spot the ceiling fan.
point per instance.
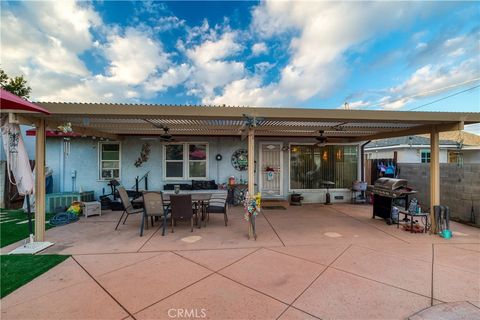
(321, 139)
(166, 136)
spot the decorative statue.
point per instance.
(144, 154)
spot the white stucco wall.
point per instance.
(404, 155)
(84, 159)
(471, 156)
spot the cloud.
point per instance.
(43, 41)
(54, 36)
(259, 48)
(322, 33)
(445, 45)
(172, 77)
(168, 23)
(134, 57)
(430, 80)
(211, 69)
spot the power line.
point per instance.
(422, 93)
(443, 98)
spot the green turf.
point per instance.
(17, 270)
(11, 232)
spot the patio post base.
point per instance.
(32, 247)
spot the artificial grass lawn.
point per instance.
(11, 232)
(16, 270)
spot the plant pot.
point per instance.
(296, 199)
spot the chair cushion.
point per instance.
(183, 186)
(216, 209)
(204, 185)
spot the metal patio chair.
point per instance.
(127, 205)
(181, 208)
(153, 206)
(218, 204)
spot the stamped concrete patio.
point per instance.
(308, 262)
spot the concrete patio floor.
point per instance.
(308, 262)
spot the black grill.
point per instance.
(386, 193)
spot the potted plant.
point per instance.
(296, 199)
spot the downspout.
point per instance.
(362, 160)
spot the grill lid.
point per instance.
(390, 184)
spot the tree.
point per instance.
(17, 85)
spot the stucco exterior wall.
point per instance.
(471, 156)
(84, 159)
(405, 155)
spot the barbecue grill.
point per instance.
(386, 191)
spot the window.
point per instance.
(186, 161)
(425, 156)
(197, 161)
(455, 157)
(109, 160)
(174, 161)
(311, 165)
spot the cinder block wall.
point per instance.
(459, 186)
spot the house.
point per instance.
(275, 151)
(282, 165)
(455, 147)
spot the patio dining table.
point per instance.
(199, 199)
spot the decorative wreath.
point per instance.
(240, 159)
(144, 155)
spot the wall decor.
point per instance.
(240, 159)
(144, 155)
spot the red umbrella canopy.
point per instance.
(12, 102)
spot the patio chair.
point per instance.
(218, 204)
(181, 208)
(153, 206)
(127, 205)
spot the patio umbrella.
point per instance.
(13, 103)
(18, 163)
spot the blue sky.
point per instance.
(373, 55)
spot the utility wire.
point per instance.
(422, 93)
(443, 98)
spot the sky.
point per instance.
(422, 56)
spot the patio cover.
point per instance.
(115, 120)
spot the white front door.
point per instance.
(271, 166)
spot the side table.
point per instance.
(92, 208)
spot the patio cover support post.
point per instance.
(40, 182)
(434, 175)
(251, 162)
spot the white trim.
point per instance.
(99, 160)
(321, 189)
(185, 161)
(260, 175)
